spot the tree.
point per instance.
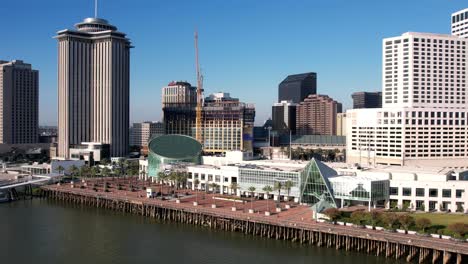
(60, 170)
(390, 219)
(333, 214)
(278, 186)
(105, 172)
(161, 177)
(214, 187)
(288, 185)
(267, 189)
(196, 182)
(94, 171)
(460, 229)
(118, 172)
(251, 190)
(423, 223)
(73, 170)
(406, 221)
(234, 187)
(375, 216)
(359, 217)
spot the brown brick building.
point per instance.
(316, 115)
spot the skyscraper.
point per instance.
(19, 103)
(283, 115)
(297, 87)
(141, 133)
(367, 100)
(93, 86)
(316, 115)
(179, 100)
(459, 23)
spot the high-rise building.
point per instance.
(316, 115)
(283, 115)
(179, 100)
(423, 121)
(19, 103)
(93, 86)
(227, 124)
(367, 100)
(141, 133)
(297, 87)
(460, 23)
(341, 124)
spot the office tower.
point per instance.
(297, 87)
(341, 124)
(93, 86)
(460, 23)
(284, 117)
(316, 115)
(367, 100)
(423, 119)
(19, 106)
(141, 133)
(227, 124)
(179, 100)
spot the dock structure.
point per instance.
(293, 222)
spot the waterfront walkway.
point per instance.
(298, 216)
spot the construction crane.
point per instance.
(198, 117)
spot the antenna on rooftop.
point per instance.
(95, 8)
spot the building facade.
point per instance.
(179, 100)
(141, 133)
(297, 87)
(227, 124)
(341, 124)
(19, 103)
(316, 115)
(93, 86)
(367, 100)
(459, 23)
(283, 115)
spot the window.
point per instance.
(393, 190)
(458, 193)
(433, 192)
(419, 191)
(202, 176)
(210, 177)
(406, 191)
(447, 193)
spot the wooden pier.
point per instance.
(412, 248)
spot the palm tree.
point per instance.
(94, 171)
(214, 186)
(84, 171)
(234, 187)
(105, 172)
(161, 177)
(183, 179)
(278, 186)
(60, 170)
(288, 185)
(251, 190)
(267, 189)
(196, 182)
(73, 170)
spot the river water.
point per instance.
(41, 231)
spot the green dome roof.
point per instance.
(175, 146)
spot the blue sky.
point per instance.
(246, 46)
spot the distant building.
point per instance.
(284, 117)
(316, 115)
(341, 124)
(179, 100)
(367, 100)
(93, 86)
(141, 133)
(459, 23)
(227, 124)
(297, 87)
(19, 103)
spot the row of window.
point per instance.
(421, 192)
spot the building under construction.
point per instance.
(179, 101)
(227, 124)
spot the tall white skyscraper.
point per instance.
(93, 86)
(424, 117)
(460, 23)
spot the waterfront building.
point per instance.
(171, 152)
(297, 87)
(179, 100)
(283, 115)
(367, 100)
(93, 86)
(341, 124)
(141, 133)
(19, 103)
(316, 115)
(423, 120)
(227, 124)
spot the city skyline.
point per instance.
(253, 40)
